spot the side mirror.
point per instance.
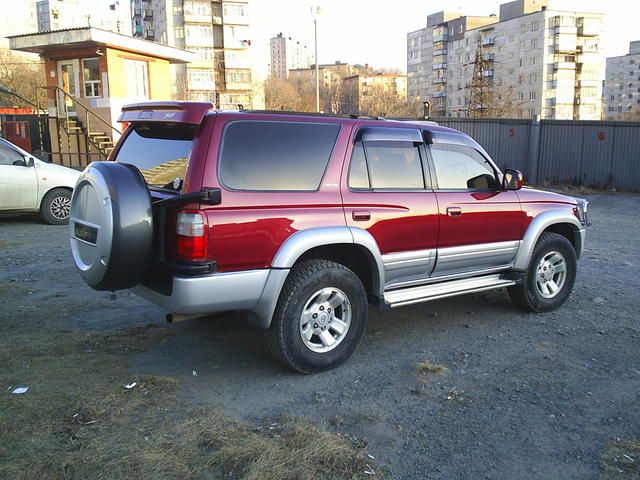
(512, 180)
(30, 162)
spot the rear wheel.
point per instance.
(320, 317)
(55, 206)
(550, 277)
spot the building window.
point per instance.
(533, 60)
(238, 76)
(235, 10)
(179, 32)
(534, 26)
(137, 84)
(533, 78)
(520, 96)
(523, 28)
(91, 77)
(532, 95)
(534, 43)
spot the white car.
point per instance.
(28, 185)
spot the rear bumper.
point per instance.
(256, 291)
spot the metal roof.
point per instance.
(72, 38)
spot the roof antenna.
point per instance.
(240, 107)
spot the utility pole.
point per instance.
(315, 13)
(479, 88)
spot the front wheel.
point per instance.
(550, 277)
(55, 207)
(320, 317)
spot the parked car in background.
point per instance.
(29, 185)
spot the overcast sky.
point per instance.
(375, 32)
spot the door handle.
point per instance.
(454, 211)
(361, 215)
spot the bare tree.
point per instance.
(23, 77)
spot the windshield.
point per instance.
(160, 151)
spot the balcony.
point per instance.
(440, 94)
(148, 14)
(439, 66)
(488, 41)
(439, 38)
(150, 34)
(488, 73)
(442, 51)
(439, 80)
(490, 57)
(564, 66)
(137, 12)
(137, 30)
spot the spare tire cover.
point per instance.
(111, 226)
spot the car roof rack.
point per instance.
(338, 115)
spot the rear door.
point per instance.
(480, 224)
(387, 192)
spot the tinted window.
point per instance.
(160, 151)
(394, 165)
(358, 173)
(8, 156)
(460, 167)
(276, 155)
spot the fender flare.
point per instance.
(297, 245)
(538, 225)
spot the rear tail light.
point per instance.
(191, 230)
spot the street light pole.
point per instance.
(315, 12)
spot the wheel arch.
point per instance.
(562, 222)
(353, 247)
(57, 187)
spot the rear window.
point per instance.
(276, 156)
(159, 150)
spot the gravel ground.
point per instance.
(525, 395)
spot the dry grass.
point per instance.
(621, 461)
(430, 367)
(78, 421)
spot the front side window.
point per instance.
(9, 156)
(459, 167)
(91, 77)
(386, 165)
(275, 156)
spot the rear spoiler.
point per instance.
(181, 112)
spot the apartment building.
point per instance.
(286, 54)
(15, 21)
(142, 19)
(373, 93)
(529, 61)
(219, 33)
(622, 85)
(113, 15)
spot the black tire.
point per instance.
(55, 206)
(284, 338)
(526, 295)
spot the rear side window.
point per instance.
(275, 156)
(159, 150)
(386, 165)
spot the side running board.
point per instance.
(425, 293)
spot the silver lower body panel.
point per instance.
(211, 293)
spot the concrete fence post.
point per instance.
(533, 159)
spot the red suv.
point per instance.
(304, 220)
